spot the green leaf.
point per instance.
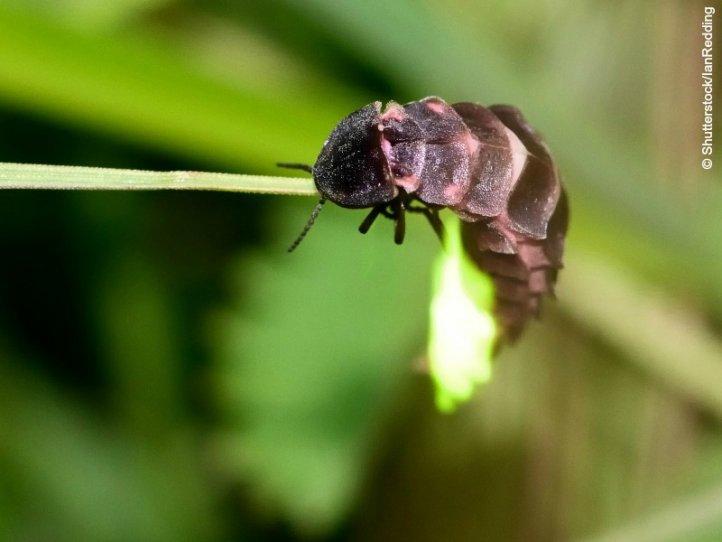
(312, 352)
(73, 480)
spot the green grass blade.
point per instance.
(37, 176)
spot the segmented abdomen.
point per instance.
(522, 268)
(492, 169)
(521, 247)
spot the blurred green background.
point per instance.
(167, 372)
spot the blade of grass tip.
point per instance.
(50, 177)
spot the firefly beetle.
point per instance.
(487, 165)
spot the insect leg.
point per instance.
(432, 215)
(436, 223)
(400, 212)
(369, 220)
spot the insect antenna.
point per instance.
(294, 165)
(311, 220)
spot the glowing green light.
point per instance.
(462, 329)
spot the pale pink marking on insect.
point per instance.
(410, 183)
(436, 107)
(518, 155)
(386, 148)
(533, 255)
(471, 142)
(454, 192)
(393, 112)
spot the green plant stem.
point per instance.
(47, 177)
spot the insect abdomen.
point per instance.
(523, 269)
(520, 246)
(492, 169)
